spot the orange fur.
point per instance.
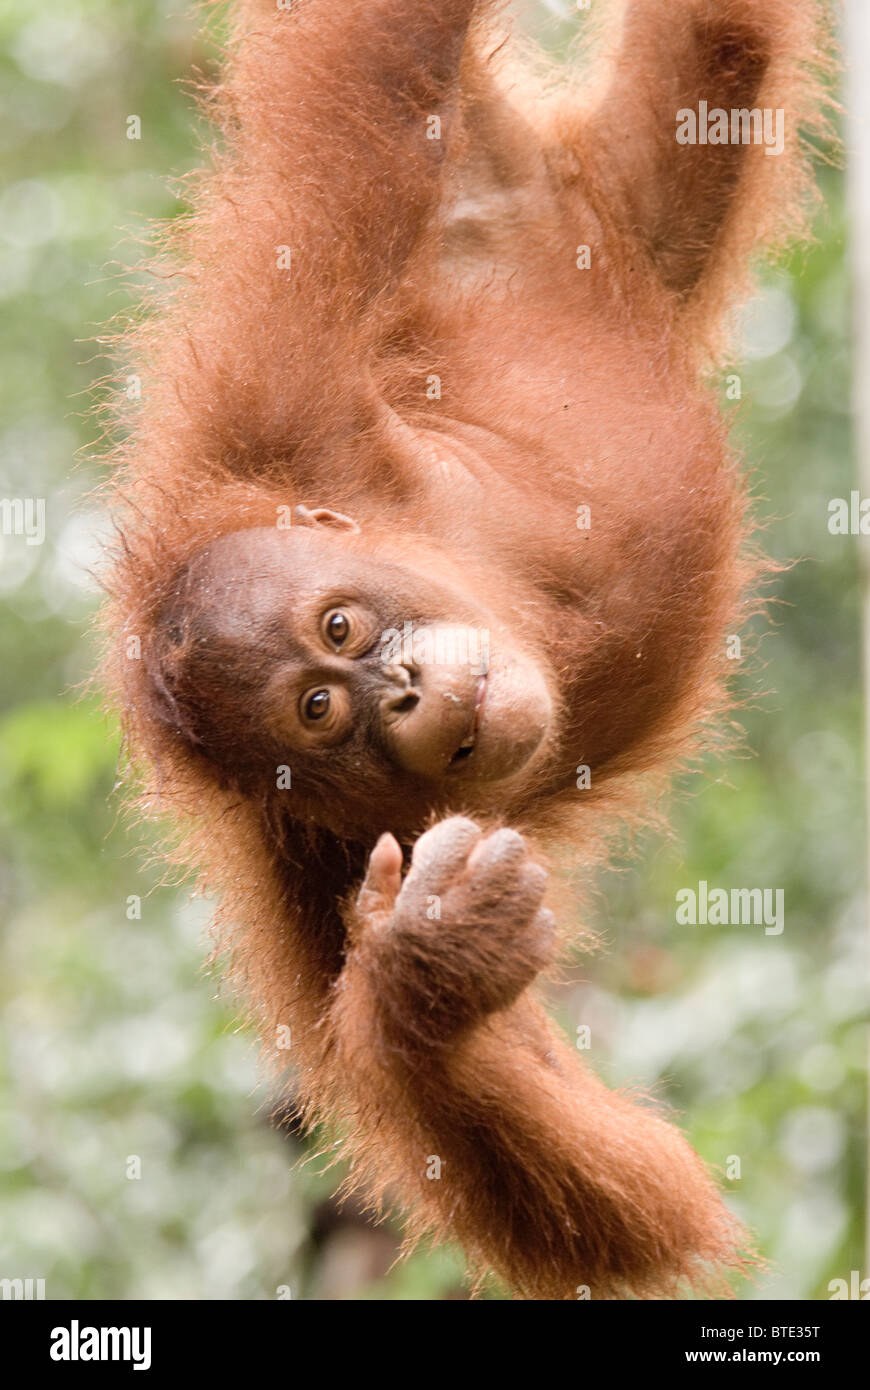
(560, 387)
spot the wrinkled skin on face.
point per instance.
(288, 649)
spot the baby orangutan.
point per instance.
(428, 505)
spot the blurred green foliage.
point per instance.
(113, 1045)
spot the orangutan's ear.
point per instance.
(322, 516)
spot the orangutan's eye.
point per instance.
(316, 705)
(337, 628)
